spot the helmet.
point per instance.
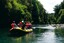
(22, 21)
(14, 21)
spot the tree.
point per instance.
(17, 10)
(59, 12)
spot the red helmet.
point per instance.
(20, 22)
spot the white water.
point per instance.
(46, 27)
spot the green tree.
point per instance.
(30, 10)
(59, 12)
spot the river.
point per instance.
(37, 36)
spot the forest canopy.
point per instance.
(18, 10)
(28, 10)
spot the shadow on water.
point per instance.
(11, 35)
(16, 33)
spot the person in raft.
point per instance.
(20, 24)
(28, 25)
(13, 25)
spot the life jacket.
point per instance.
(28, 24)
(20, 24)
(13, 25)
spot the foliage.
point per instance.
(59, 13)
(51, 18)
(28, 10)
(17, 10)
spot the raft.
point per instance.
(19, 31)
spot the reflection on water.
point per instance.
(24, 39)
(59, 32)
(60, 35)
(37, 36)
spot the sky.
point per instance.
(50, 4)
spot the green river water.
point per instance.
(37, 36)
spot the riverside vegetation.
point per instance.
(28, 10)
